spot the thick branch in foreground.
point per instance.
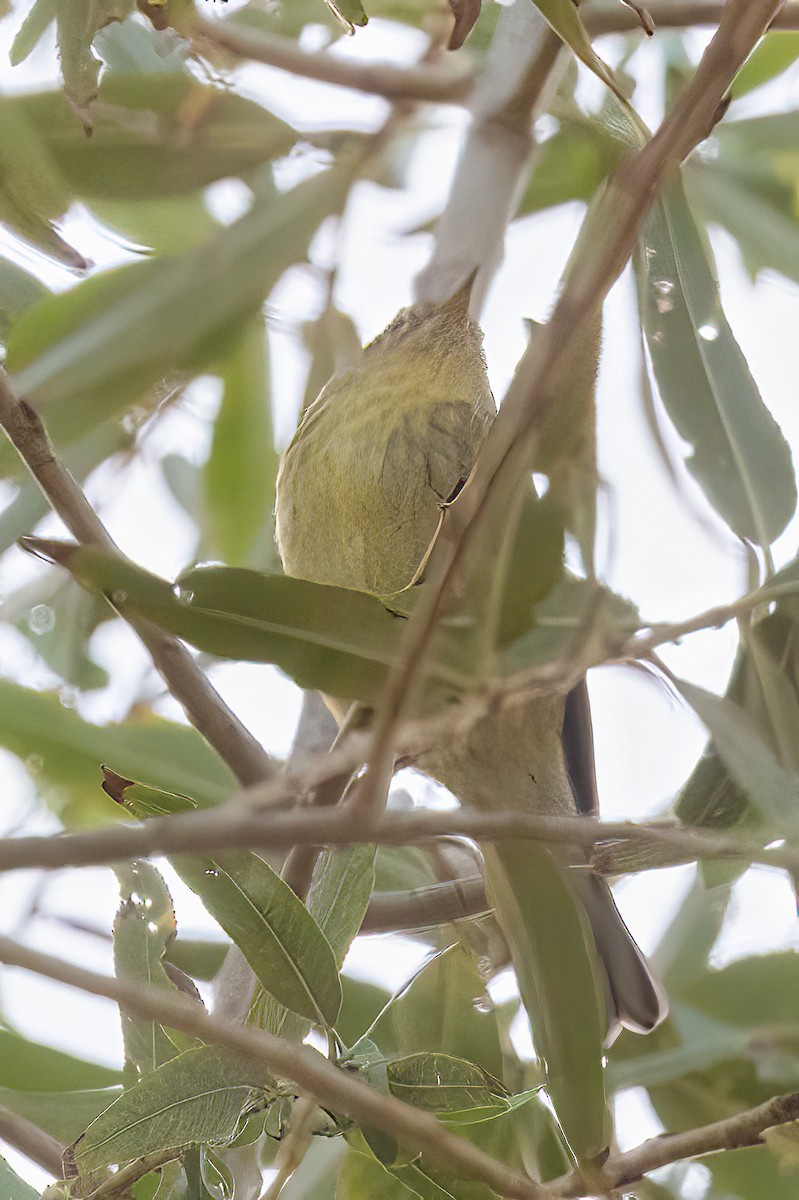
(316, 1077)
(233, 826)
(202, 704)
(31, 1141)
(614, 17)
(440, 85)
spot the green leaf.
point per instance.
(760, 217)
(272, 927)
(31, 1066)
(77, 21)
(739, 456)
(154, 136)
(32, 190)
(58, 617)
(63, 753)
(570, 165)
(334, 639)
(194, 1098)
(451, 1087)
(18, 291)
(439, 1011)
(339, 893)
(349, 12)
(755, 992)
(12, 1187)
(688, 1042)
(553, 953)
(110, 339)
(33, 28)
(563, 16)
(64, 1115)
(242, 467)
(145, 926)
(777, 51)
(750, 762)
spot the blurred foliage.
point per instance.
(145, 126)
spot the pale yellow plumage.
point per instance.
(359, 497)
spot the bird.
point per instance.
(360, 490)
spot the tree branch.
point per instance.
(436, 85)
(744, 1129)
(316, 1077)
(31, 1141)
(231, 827)
(202, 704)
(670, 14)
(513, 88)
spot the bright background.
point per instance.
(663, 548)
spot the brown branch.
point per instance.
(670, 14)
(744, 1129)
(438, 904)
(31, 1141)
(202, 704)
(596, 265)
(316, 1077)
(433, 84)
(512, 89)
(230, 827)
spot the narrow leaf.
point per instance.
(750, 762)
(194, 1098)
(739, 455)
(563, 16)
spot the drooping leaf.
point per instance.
(194, 1098)
(739, 455)
(554, 956)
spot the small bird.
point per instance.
(359, 496)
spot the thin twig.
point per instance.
(230, 827)
(31, 1141)
(448, 85)
(671, 14)
(435, 85)
(744, 1129)
(332, 1088)
(202, 704)
(596, 264)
